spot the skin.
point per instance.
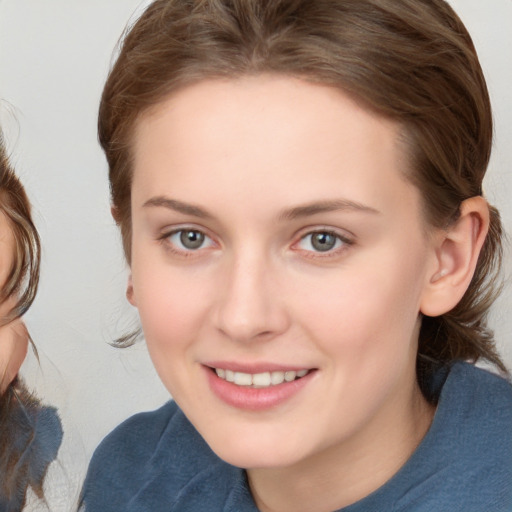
(13, 336)
(251, 156)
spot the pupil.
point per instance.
(323, 241)
(191, 239)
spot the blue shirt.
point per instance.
(31, 435)
(156, 462)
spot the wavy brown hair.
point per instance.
(18, 407)
(23, 277)
(412, 61)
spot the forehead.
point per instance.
(262, 133)
(254, 101)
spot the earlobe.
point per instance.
(457, 251)
(130, 294)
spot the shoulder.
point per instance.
(476, 406)
(470, 390)
(31, 437)
(464, 463)
(474, 416)
(119, 458)
(153, 461)
(467, 454)
(136, 437)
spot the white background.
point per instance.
(54, 57)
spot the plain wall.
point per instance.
(54, 57)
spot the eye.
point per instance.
(189, 240)
(322, 241)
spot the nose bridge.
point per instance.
(250, 307)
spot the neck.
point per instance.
(344, 474)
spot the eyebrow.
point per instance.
(296, 212)
(325, 206)
(178, 206)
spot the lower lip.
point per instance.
(255, 399)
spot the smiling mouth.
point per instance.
(259, 380)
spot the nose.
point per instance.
(251, 306)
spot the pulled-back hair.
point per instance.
(412, 61)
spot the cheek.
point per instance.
(170, 309)
(174, 305)
(171, 316)
(371, 305)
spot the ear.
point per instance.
(130, 294)
(456, 254)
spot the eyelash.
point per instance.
(342, 243)
(166, 240)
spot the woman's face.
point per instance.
(276, 243)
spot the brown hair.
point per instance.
(17, 406)
(410, 60)
(23, 277)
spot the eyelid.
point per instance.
(169, 229)
(166, 233)
(347, 239)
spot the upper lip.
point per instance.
(255, 368)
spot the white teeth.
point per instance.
(290, 376)
(259, 380)
(243, 379)
(277, 378)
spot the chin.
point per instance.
(244, 454)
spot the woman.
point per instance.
(30, 434)
(299, 190)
